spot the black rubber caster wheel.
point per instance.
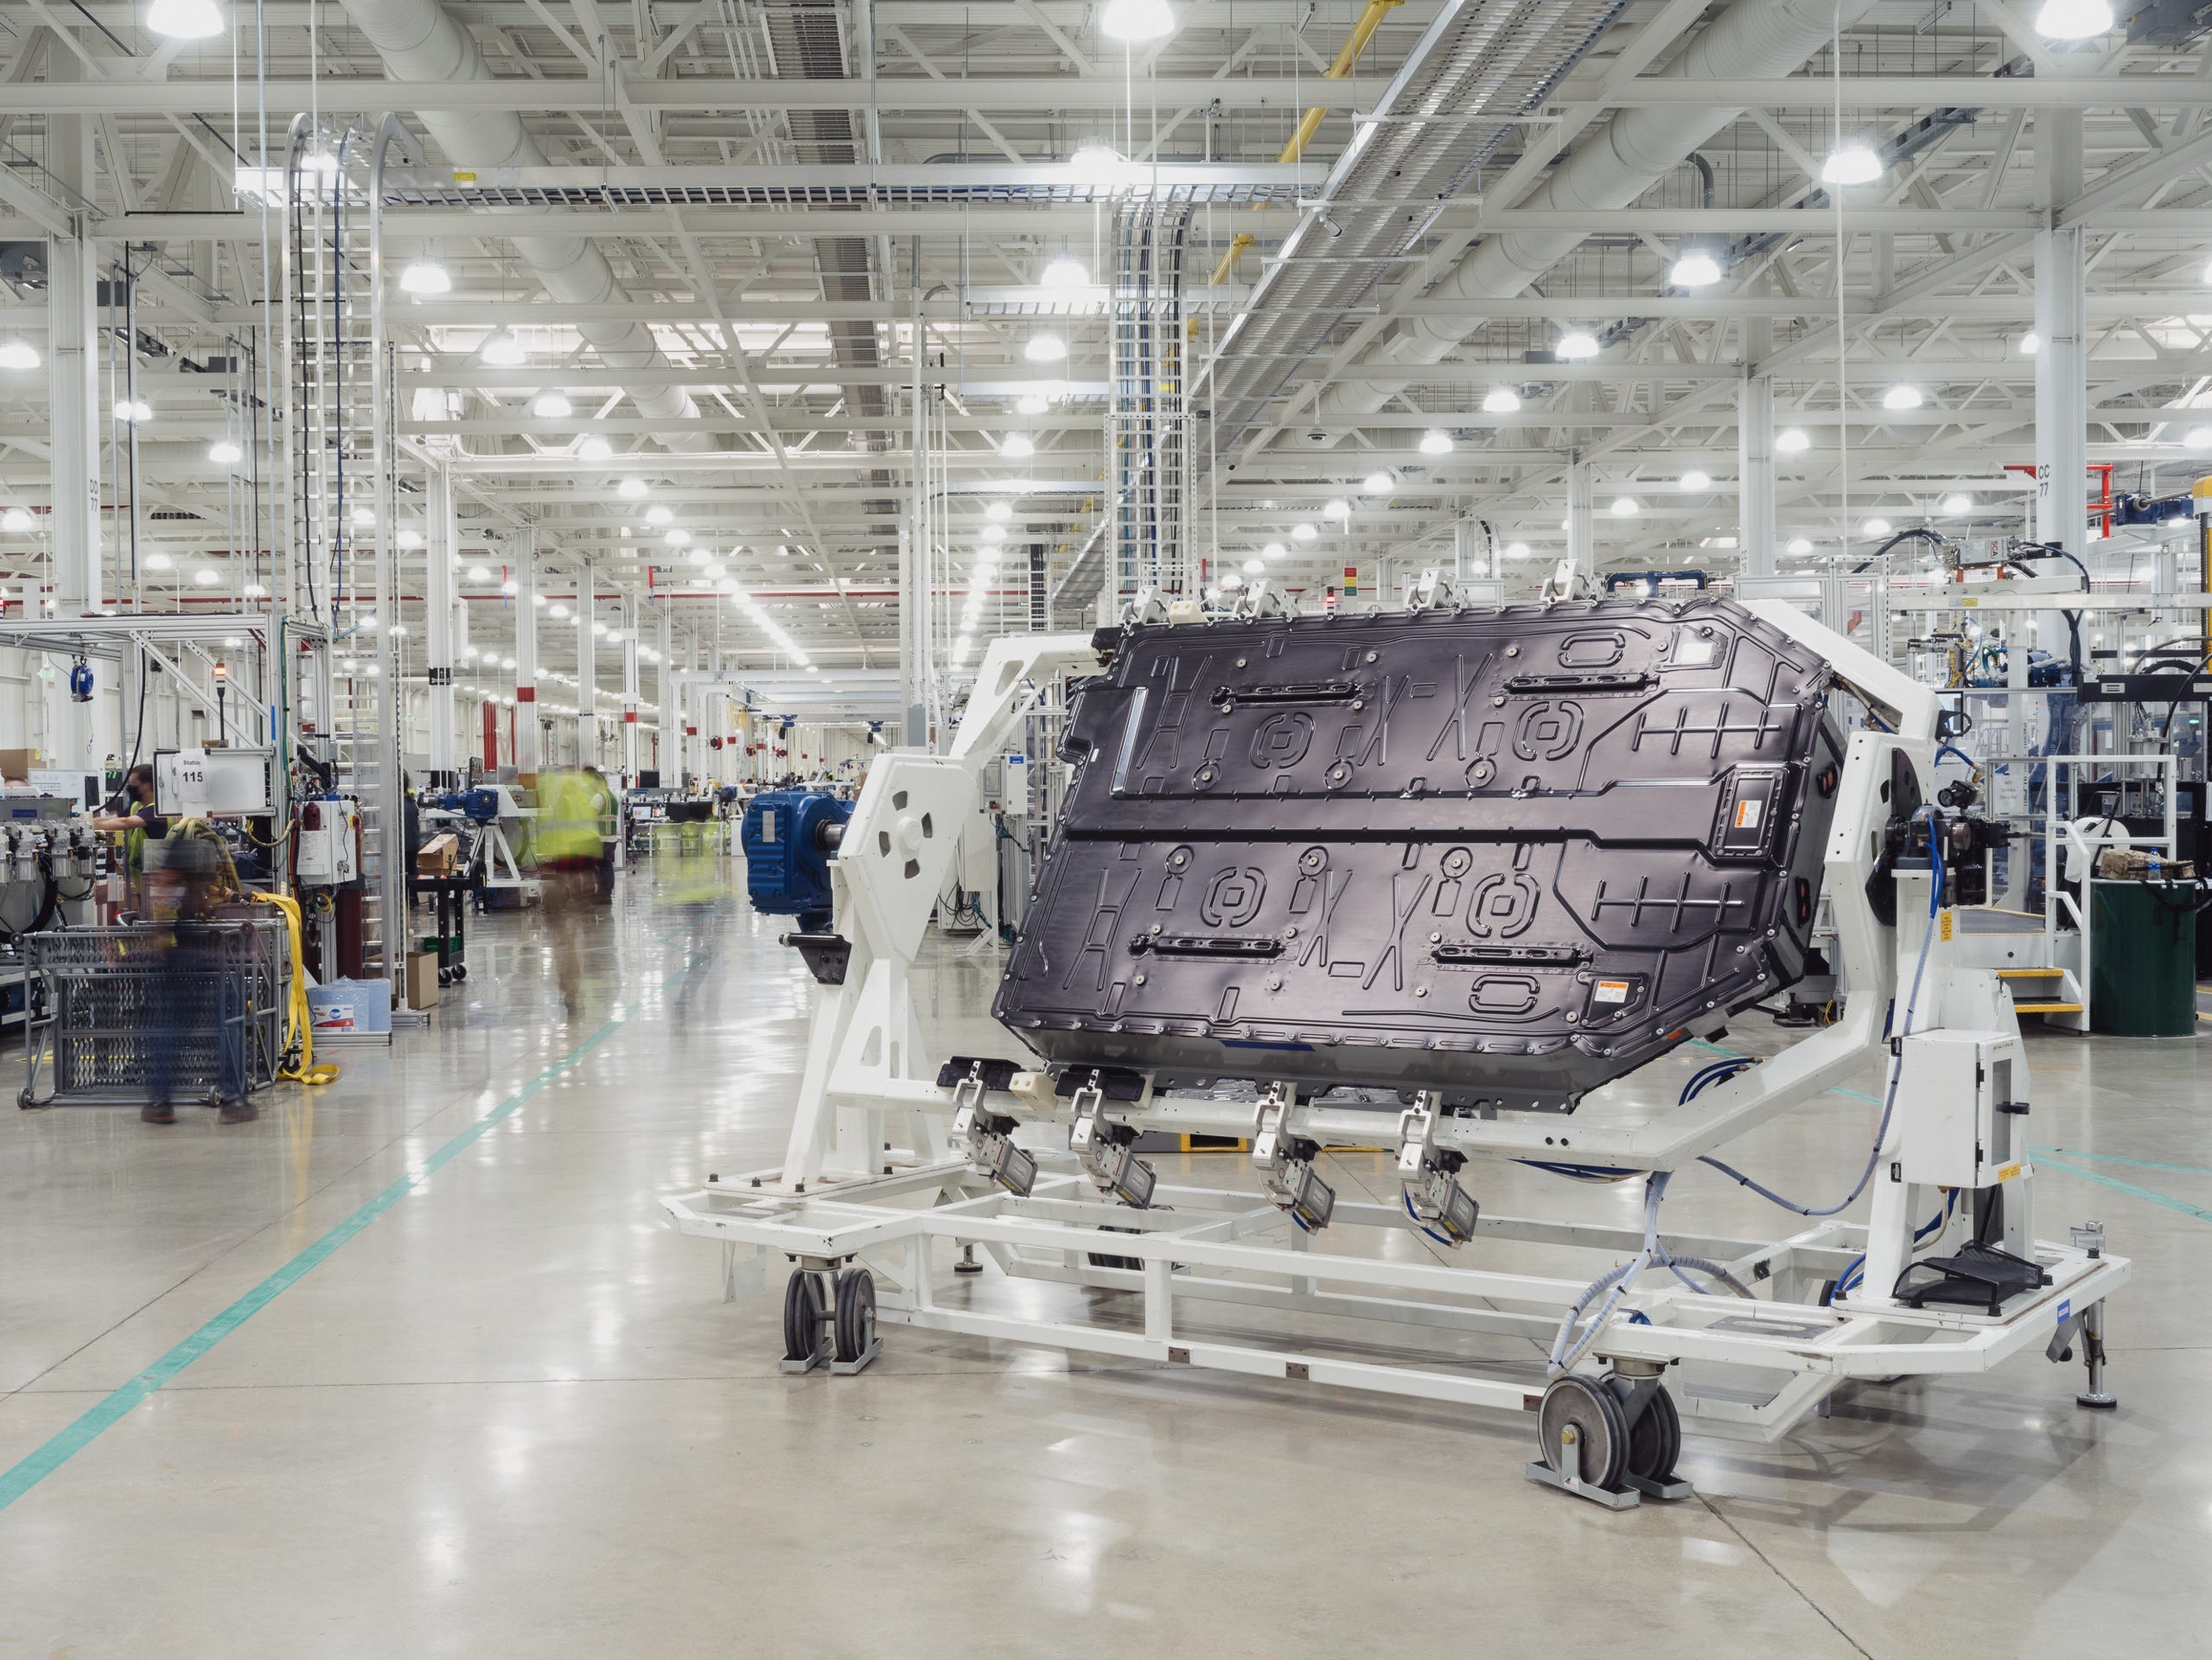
(461, 971)
(856, 1314)
(445, 977)
(1656, 1439)
(802, 1316)
(1600, 1425)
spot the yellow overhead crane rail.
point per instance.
(1362, 31)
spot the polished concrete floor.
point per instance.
(472, 1396)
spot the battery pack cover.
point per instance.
(1509, 854)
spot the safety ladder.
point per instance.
(2055, 994)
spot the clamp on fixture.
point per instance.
(1108, 1153)
(1284, 1162)
(988, 1137)
(1434, 1197)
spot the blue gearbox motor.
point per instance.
(788, 836)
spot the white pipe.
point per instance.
(418, 42)
(1610, 168)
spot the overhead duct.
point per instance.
(1753, 39)
(806, 42)
(418, 42)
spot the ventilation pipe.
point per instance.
(1753, 39)
(418, 42)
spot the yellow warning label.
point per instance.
(1969, 601)
(1946, 933)
(460, 177)
(2006, 1172)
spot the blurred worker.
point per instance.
(570, 843)
(610, 830)
(197, 998)
(135, 820)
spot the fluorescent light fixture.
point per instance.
(185, 20)
(480, 573)
(2073, 20)
(409, 537)
(1901, 397)
(1800, 545)
(15, 519)
(132, 411)
(502, 350)
(223, 452)
(1136, 21)
(1875, 527)
(426, 277)
(2031, 343)
(1273, 551)
(559, 612)
(660, 515)
(1575, 344)
(18, 354)
(1694, 268)
(678, 538)
(595, 448)
(1095, 156)
(999, 510)
(630, 489)
(363, 518)
(1045, 348)
(1379, 483)
(1791, 440)
(1336, 508)
(253, 590)
(1851, 164)
(1516, 550)
(2197, 438)
(1032, 402)
(204, 577)
(1435, 442)
(158, 561)
(1066, 272)
(1957, 502)
(551, 406)
(1254, 567)
(1018, 446)
(599, 627)
(1303, 533)
(1696, 479)
(1501, 400)
(994, 532)
(1626, 507)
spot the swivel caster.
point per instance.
(445, 976)
(857, 1344)
(459, 971)
(803, 1316)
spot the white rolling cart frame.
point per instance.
(874, 1191)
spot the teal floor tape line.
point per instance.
(2115, 1158)
(2045, 1161)
(96, 1421)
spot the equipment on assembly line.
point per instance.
(1430, 882)
(789, 837)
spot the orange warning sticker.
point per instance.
(1610, 991)
(1747, 814)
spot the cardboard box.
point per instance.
(439, 856)
(351, 1008)
(18, 763)
(2133, 865)
(422, 980)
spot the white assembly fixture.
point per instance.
(898, 1176)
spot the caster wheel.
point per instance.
(1655, 1439)
(24, 1100)
(461, 971)
(444, 978)
(1600, 1425)
(856, 1314)
(802, 1316)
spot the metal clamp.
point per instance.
(988, 1138)
(1431, 1180)
(1108, 1151)
(1284, 1162)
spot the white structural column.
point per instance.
(587, 671)
(440, 549)
(629, 689)
(2062, 357)
(1754, 455)
(1582, 524)
(668, 725)
(73, 526)
(528, 736)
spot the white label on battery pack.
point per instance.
(1747, 814)
(1610, 991)
(1691, 651)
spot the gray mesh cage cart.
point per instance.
(115, 1012)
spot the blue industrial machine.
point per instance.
(477, 806)
(789, 836)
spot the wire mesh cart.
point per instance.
(114, 1012)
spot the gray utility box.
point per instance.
(1506, 854)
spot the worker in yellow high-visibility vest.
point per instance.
(570, 842)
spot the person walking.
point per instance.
(569, 845)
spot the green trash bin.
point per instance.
(2143, 958)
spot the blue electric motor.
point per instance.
(478, 806)
(789, 836)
